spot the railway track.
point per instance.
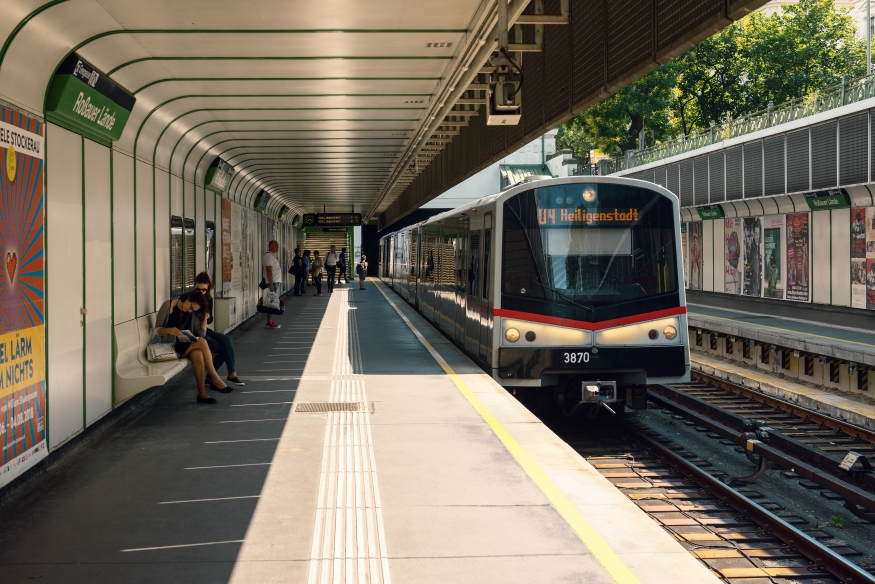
(737, 533)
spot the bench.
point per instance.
(133, 372)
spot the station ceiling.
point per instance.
(341, 104)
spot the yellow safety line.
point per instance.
(588, 535)
(801, 333)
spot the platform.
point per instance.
(846, 334)
(441, 477)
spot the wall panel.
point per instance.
(719, 257)
(145, 238)
(123, 237)
(162, 237)
(199, 230)
(841, 257)
(98, 283)
(64, 282)
(820, 257)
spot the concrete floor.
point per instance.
(417, 488)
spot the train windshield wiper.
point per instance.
(564, 297)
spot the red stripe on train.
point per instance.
(590, 326)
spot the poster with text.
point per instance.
(694, 237)
(685, 254)
(733, 274)
(753, 256)
(227, 258)
(858, 283)
(870, 283)
(22, 323)
(858, 232)
(798, 260)
(772, 263)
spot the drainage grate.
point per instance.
(328, 407)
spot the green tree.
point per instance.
(614, 125)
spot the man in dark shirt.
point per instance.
(341, 266)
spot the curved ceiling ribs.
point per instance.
(316, 116)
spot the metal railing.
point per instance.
(847, 92)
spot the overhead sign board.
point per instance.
(711, 212)
(832, 199)
(218, 176)
(332, 219)
(85, 100)
(283, 213)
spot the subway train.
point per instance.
(567, 288)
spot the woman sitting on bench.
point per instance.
(187, 314)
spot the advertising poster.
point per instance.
(772, 263)
(753, 257)
(22, 323)
(870, 283)
(694, 236)
(858, 283)
(685, 254)
(227, 259)
(870, 233)
(733, 265)
(797, 257)
(858, 232)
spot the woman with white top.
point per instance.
(316, 269)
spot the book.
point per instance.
(186, 336)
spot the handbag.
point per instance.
(263, 284)
(160, 352)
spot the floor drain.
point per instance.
(328, 406)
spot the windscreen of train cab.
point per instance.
(589, 252)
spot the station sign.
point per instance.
(218, 176)
(832, 199)
(261, 200)
(332, 219)
(335, 229)
(85, 100)
(711, 212)
(284, 211)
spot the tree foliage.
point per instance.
(760, 59)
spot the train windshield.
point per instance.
(589, 251)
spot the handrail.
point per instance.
(847, 92)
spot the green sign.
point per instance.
(261, 200)
(712, 212)
(84, 100)
(218, 176)
(283, 213)
(823, 200)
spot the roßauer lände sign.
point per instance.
(84, 100)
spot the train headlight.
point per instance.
(653, 335)
(670, 332)
(512, 335)
(589, 195)
(531, 336)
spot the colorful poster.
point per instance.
(858, 232)
(858, 283)
(227, 258)
(870, 284)
(733, 265)
(798, 278)
(772, 263)
(22, 323)
(753, 257)
(685, 255)
(694, 236)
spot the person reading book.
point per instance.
(185, 320)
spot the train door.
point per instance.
(460, 274)
(485, 291)
(413, 263)
(472, 300)
(428, 263)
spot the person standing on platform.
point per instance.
(341, 266)
(361, 270)
(316, 267)
(306, 259)
(297, 270)
(219, 343)
(272, 276)
(331, 267)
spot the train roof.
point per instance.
(524, 186)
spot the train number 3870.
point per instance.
(575, 358)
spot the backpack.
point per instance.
(359, 269)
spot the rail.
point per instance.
(847, 92)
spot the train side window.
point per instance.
(487, 246)
(474, 264)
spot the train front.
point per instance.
(592, 303)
